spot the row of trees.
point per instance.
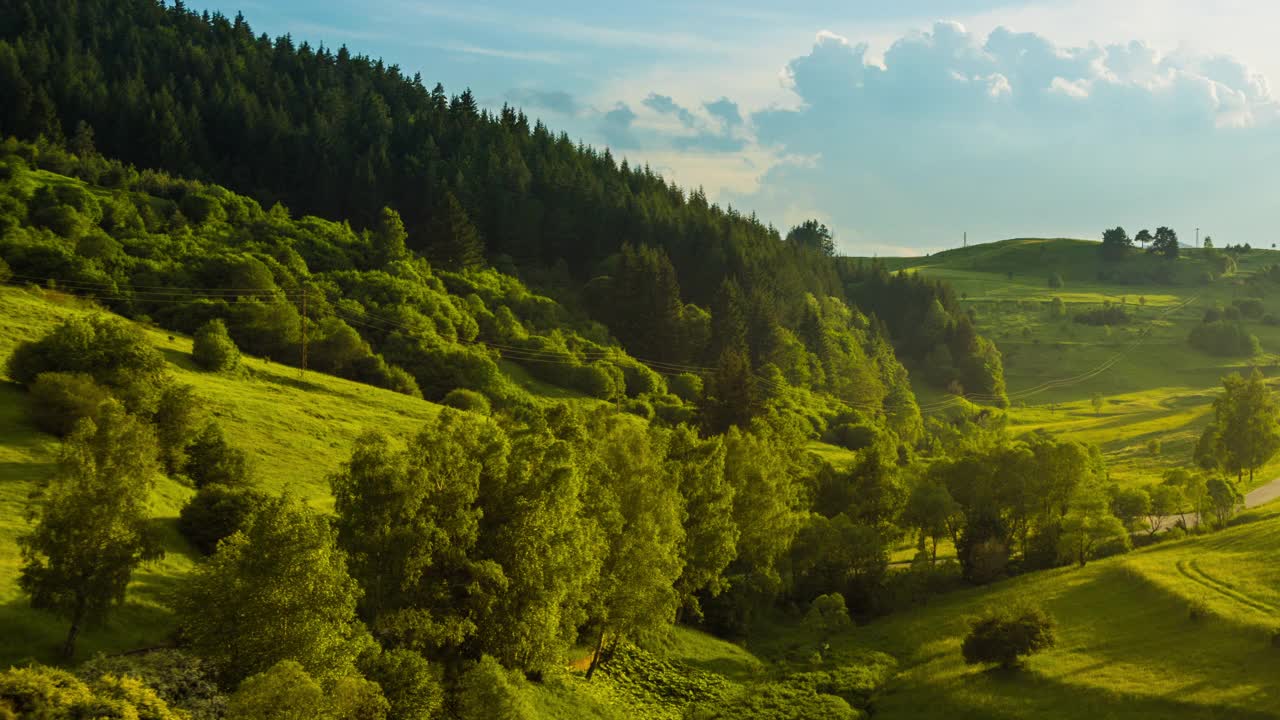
(1116, 243)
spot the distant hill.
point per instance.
(1155, 389)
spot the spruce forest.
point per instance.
(328, 392)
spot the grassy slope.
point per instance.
(1160, 390)
(1127, 646)
(296, 430)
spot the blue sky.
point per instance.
(899, 123)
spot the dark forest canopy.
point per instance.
(344, 136)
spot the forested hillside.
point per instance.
(678, 280)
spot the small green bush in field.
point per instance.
(213, 349)
(1004, 637)
(60, 400)
(468, 400)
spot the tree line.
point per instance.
(339, 134)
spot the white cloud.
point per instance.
(1078, 89)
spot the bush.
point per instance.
(1057, 309)
(487, 691)
(1224, 338)
(211, 460)
(178, 678)
(216, 512)
(115, 352)
(775, 701)
(60, 400)
(375, 370)
(5, 272)
(1004, 637)
(857, 681)
(40, 693)
(410, 684)
(852, 436)
(1055, 280)
(283, 692)
(827, 614)
(468, 400)
(639, 408)
(686, 386)
(177, 415)
(1251, 308)
(1105, 315)
(213, 349)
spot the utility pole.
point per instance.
(1197, 237)
(966, 238)
(303, 372)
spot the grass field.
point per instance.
(1127, 644)
(1159, 388)
(296, 429)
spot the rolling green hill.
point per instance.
(1128, 646)
(1153, 385)
(295, 428)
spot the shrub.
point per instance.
(115, 352)
(375, 370)
(282, 692)
(40, 692)
(857, 682)
(178, 678)
(176, 417)
(639, 408)
(487, 691)
(1055, 280)
(1224, 338)
(213, 349)
(5, 272)
(1005, 636)
(1057, 309)
(827, 614)
(1105, 315)
(468, 400)
(852, 436)
(1270, 320)
(686, 386)
(212, 460)
(1250, 307)
(216, 512)
(639, 379)
(60, 400)
(775, 701)
(410, 684)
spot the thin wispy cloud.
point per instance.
(551, 58)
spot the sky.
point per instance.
(901, 124)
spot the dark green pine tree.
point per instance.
(646, 312)
(453, 243)
(732, 398)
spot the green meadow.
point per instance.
(1181, 629)
(1155, 389)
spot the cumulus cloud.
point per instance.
(1010, 134)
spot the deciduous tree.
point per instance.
(92, 526)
